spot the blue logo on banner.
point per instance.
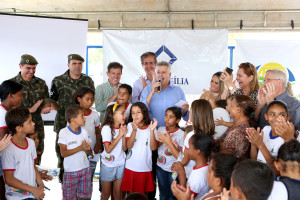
(163, 48)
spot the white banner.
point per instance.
(271, 54)
(195, 55)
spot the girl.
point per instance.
(140, 142)
(234, 141)
(170, 137)
(84, 96)
(219, 174)
(113, 133)
(265, 147)
(11, 95)
(201, 115)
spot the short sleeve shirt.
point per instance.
(139, 157)
(198, 181)
(21, 162)
(72, 139)
(272, 143)
(165, 161)
(188, 168)
(117, 156)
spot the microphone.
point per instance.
(158, 88)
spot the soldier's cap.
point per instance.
(28, 59)
(75, 57)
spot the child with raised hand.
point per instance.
(74, 142)
(140, 142)
(84, 97)
(11, 96)
(250, 180)
(201, 115)
(218, 177)
(200, 148)
(113, 133)
(123, 97)
(170, 139)
(265, 145)
(22, 178)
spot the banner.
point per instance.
(271, 54)
(195, 55)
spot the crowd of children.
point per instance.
(201, 163)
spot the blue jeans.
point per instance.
(164, 184)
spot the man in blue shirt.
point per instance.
(149, 62)
(168, 96)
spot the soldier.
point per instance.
(35, 96)
(62, 90)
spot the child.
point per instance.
(200, 148)
(251, 180)
(140, 142)
(11, 95)
(218, 177)
(84, 96)
(113, 133)
(288, 164)
(170, 137)
(74, 143)
(22, 178)
(34, 137)
(220, 121)
(265, 147)
(201, 116)
(220, 112)
(124, 95)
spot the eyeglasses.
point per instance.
(270, 79)
(148, 63)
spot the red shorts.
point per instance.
(141, 182)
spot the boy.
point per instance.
(21, 176)
(124, 95)
(200, 148)
(75, 147)
(251, 180)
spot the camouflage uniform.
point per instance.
(34, 90)
(62, 89)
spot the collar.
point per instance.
(281, 96)
(173, 131)
(273, 137)
(88, 113)
(67, 76)
(201, 166)
(76, 133)
(20, 79)
(111, 84)
(3, 107)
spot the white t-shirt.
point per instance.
(117, 156)
(198, 182)
(3, 112)
(3, 125)
(272, 143)
(139, 157)
(164, 161)
(189, 167)
(21, 162)
(218, 113)
(127, 108)
(279, 191)
(92, 121)
(72, 139)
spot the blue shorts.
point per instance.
(111, 173)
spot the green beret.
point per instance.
(28, 59)
(75, 57)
